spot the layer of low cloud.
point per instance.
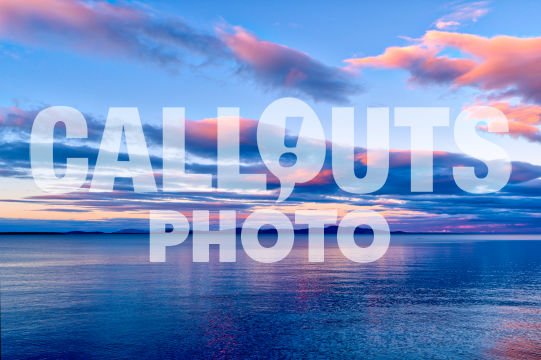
(447, 208)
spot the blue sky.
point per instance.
(67, 52)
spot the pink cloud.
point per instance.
(103, 28)
(206, 129)
(421, 61)
(281, 66)
(12, 116)
(504, 64)
(33, 21)
(524, 119)
(501, 66)
(123, 29)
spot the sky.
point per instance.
(93, 55)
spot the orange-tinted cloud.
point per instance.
(422, 61)
(506, 65)
(524, 119)
(501, 66)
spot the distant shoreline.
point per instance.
(331, 230)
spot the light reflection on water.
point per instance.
(89, 296)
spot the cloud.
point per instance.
(462, 13)
(280, 66)
(502, 67)
(107, 29)
(201, 144)
(421, 61)
(524, 119)
(506, 65)
(447, 208)
(103, 28)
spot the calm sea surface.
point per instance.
(436, 297)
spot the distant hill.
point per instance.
(329, 230)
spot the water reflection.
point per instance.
(428, 297)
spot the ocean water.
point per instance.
(433, 297)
